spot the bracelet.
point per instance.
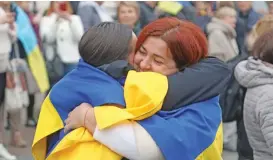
(85, 117)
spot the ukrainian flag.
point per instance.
(26, 35)
(192, 132)
(91, 85)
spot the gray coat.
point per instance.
(257, 77)
(222, 40)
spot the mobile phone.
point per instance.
(63, 6)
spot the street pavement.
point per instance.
(25, 153)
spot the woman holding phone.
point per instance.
(61, 32)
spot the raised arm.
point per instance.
(197, 83)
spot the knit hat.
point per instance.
(105, 43)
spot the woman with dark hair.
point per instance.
(256, 74)
(161, 48)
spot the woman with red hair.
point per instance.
(179, 44)
(187, 127)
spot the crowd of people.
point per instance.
(39, 48)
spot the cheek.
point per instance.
(121, 16)
(135, 17)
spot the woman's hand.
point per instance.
(8, 18)
(77, 117)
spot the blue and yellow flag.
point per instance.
(192, 132)
(91, 85)
(26, 35)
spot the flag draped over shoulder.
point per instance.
(26, 35)
(191, 132)
(91, 85)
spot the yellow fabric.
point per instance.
(38, 69)
(143, 96)
(142, 101)
(215, 150)
(49, 122)
(171, 7)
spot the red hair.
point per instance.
(50, 10)
(186, 41)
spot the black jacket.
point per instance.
(197, 83)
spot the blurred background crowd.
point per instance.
(231, 29)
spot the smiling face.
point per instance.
(154, 56)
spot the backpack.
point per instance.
(232, 98)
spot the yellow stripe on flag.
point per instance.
(38, 69)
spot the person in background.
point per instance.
(249, 17)
(128, 14)
(222, 35)
(204, 14)
(263, 25)
(7, 35)
(147, 13)
(243, 148)
(61, 32)
(92, 13)
(75, 6)
(256, 74)
(239, 23)
(170, 9)
(270, 7)
(188, 10)
(111, 7)
(260, 7)
(25, 6)
(248, 14)
(220, 4)
(222, 44)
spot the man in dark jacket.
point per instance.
(147, 14)
(247, 18)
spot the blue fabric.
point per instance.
(83, 84)
(26, 33)
(185, 3)
(185, 133)
(180, 134)
(253, 17)
(202, 22)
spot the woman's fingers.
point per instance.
(67, 121)
(70, 113)
(68, 126)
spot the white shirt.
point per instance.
(65, 34)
